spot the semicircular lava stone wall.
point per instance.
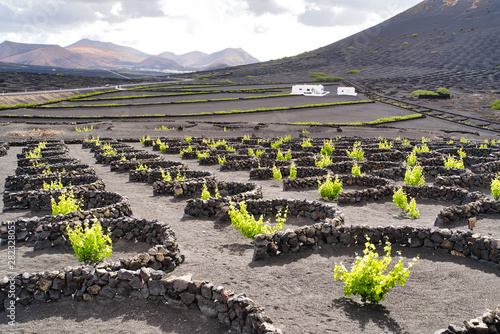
(229, 191)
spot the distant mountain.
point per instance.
(225, 58)
(103, 54)
(91, 54)
(108, 46)
(190, 59)
(47, 55)
(158, 63)
(8, 48)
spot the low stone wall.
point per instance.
(45, 154)
(120, 166)
(312, 182)
(389, 155)
(467, 243)
(243, 164)
(169, 150)
(107, 159)
(40, 199)
(488, 322)
(27, 162)
(345, 167)
(230, 192)
(441, 170)
(99, 204)
(48, 147)
(164, 255)
(213, 159)
(187, 188)
(448, 194)
(33, 182)
(57, 168)
(109, 281)
(466, 180)
(267, 173)
(310, 161)
(4, 148)
(379, 188)
(153, 175)
(488, 167)
(314, 210)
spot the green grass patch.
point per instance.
(495, 105)
(418, 92)
(353, 71)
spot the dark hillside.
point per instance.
(457, 39)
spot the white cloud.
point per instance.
(267, 29)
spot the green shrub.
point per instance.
(353, 71)
(276, 144)
(461, 153)
(406, 43)
(200, 155)
(400, 199)
(221, 160)
(57, 184)
(282, 157)
(277, 173)
(165, 176)
(306, 142)
(293, 172)
(414, 35)
(245, 222)
(405, 142)
(443, 90)
(91, 245)
(163, 147)
(330, 189)
(188, 149)
(325, 160)
(328, 147)
(188, 140)
(144, 139)
(205, 194)
(464, 140)
(141, 167)
(67, 203)
(414, 176)
(411, 159)
(85, 129)
(422, 149)
(452, 162)
(368, 277)
(385, 145)
(355, 170)
(495, 187)
(357, 152)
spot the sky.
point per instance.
(267, 29)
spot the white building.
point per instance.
(346, 91)
(309, 90)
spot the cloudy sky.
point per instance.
(267, 29)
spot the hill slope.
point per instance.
(433, 36)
